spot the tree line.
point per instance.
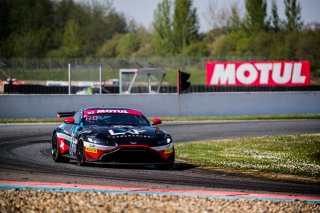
(68, 29)
(47, 28)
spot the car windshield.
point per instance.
(115, 119)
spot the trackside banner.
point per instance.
(262, 73)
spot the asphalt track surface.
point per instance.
(25, 156)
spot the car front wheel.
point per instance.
(81, 158)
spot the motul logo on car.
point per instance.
(102, 111)
(112, 111)
(259, 73)
(106, 111)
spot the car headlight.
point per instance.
(96, 140)
(164, 141)
(90, 140)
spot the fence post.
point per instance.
(100, 78)
(69, 74)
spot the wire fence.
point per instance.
(40, 72)
(57, 69)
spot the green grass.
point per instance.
(253, 117)
(91, 74)
(288, 155)
(30, 120)
(181, 119)
(61, 74)
(196, 77)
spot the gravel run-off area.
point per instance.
(53, 201)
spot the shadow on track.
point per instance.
(178, 165)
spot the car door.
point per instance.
(69, 130)
(74, 132)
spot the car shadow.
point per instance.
(178, 166)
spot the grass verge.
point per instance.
(253, 117)
(208, 118)
(30, 120)
(281, 156)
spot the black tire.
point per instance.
(168, 164)
(56, 155)
(81, 158)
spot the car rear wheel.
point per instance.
(56, 154)
(81, 158)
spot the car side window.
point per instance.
(77, 118)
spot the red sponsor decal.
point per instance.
(63, 146)
(94, 154)
(264, 73)
(165, 154)
(111, 111)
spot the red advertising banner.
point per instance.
(262, 73)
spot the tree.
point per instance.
(162, 26)
(70, 41)
(128, 44)
(196, 49)
(256, 13)
(99, 22)
(235, 20)
(30, 28)
(145, 47)
(40, 28)
(293, 15)
(308, 46)
(109, 48)
(217, 17)
(261, 45)
(275, 20)
(70, 45)
(185, 24)
(5, 29)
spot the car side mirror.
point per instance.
(156, 121)
(69, 120)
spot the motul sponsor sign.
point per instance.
(268, 73)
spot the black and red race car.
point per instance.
(112, 135)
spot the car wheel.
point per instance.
(56, 155)
(168, 164)
(81, 158)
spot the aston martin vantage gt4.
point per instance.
(111, 135)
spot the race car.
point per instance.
(111, 135)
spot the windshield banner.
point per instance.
(264, 73)
(110, 111)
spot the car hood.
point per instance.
(124, 130)
(126, 134)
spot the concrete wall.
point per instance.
(196, 104)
